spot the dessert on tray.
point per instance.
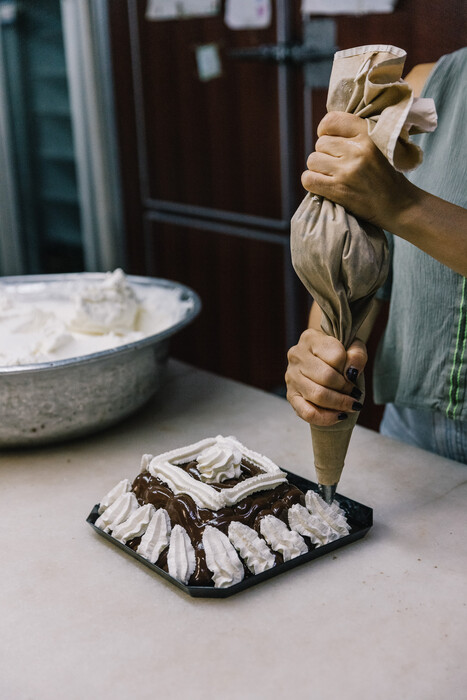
(215, 512)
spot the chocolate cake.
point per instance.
(215, 512)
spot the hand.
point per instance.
(318, 377)
(347, 168)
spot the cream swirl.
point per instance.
(220, 461)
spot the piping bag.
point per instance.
(342, 260)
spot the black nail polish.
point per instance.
(355, 393)
(352, 374)
(342, 416)
(356, 406)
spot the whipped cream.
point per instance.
(118, 512)
(221, 558)
(332, 514)
(110, 306)
(308, 525)
(122, 487)
(278, 536)
(135, 525)
(57, 320)
(165, 468)
(157, 536)
(181, 559)
(251, 548)
(220, 461)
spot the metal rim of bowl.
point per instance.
(191, 314)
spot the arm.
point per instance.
(348, 168)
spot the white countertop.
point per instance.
(384, 617)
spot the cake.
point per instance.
(215, 512)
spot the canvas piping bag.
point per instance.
(342, 260)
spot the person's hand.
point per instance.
(321, 377)
(347, 168)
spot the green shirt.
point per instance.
(422, 358)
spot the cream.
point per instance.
(45, 322)
(221, 558)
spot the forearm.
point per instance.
(314, 319)
(437, 227)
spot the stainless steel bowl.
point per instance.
(53, 401)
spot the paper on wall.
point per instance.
(248, 14)
(347, 7)
(176, 9)
(208, 62)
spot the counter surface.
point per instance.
(381, 618)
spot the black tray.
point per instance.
(359, 518)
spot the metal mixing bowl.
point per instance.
(52, 401)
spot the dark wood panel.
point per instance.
(209, 143)
(426, 30)
(240, 333)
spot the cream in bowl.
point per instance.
(81, 351)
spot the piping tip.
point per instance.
(327, 492)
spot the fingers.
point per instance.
(342, 124)
(317, 388)
(316, 183)
(331, 145)
(357, 357)
(315, 415)
(321, 163)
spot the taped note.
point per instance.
(208, 61)
(347, 7)
(177, 9)
(248, 14)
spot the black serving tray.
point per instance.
(359, 518)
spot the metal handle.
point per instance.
(297, 54)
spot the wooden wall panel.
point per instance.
(240, 332)
(206, 142)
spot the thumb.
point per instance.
(357, 358)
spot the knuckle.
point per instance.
(321, 142)
(327, 376)
(335, 352)
(309, 413)
(319, 395)
(328, 121)
(307, 180)
(291, 355)
(310, 160)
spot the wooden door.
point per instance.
(211, 169)
(217, 186)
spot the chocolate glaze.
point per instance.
(183, 510)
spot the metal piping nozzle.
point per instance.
(327, 492)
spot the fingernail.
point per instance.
(342, 416)
(356, 406)
(352, 374)
(355, 393)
